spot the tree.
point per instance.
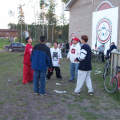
(65, 1)
(21, 20)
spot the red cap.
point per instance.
(76, 39)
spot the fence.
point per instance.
(115, 60)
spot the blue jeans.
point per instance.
(73, 70)
(39, 75)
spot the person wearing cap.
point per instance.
(73, 53)
(27, 71)
(85, 67)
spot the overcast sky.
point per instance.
(6, 5)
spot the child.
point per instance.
(84, 68)
(55, 56)
(73, 53)
(27, 71)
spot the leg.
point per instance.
(58, 75)
(72, 71)
(76, 69)
(102, 57)
(42, 82)
(49, 74)
(25, 74)
(30, 74)
(80, 80)
(36, 78)
(89, 82)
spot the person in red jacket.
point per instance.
(27, 71)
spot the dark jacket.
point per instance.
(112, 47)
(85, 65)
(41, 57)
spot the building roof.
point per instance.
(8, 30)
(104, 4)
(69, 4)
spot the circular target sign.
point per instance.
(104, 30)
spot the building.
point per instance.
(81, 21)
(7, 33)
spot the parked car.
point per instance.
(15, 47)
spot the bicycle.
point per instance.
(106, 69)
(95, 56)
(112, 83)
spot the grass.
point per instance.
(18, 102)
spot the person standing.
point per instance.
(56, 56)
(67, 48)
(48, 44)
(27, 71)
(41, 59)
(73, 53)
(101, 49)
(84, 68)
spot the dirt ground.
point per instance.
(18, 101)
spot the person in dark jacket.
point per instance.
(40, 60)
(113, 46)
(84, 68)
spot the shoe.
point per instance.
(31, 82)
(36, 93)
(42, 94)
(75, 93)
(27, 83)
(47, 78)
(71, 80)
(90, 93)
(60, 78)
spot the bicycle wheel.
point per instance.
(110, 84)
(105, 71)
(99, 58)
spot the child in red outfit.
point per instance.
(27, 71)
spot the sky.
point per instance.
(28, 8)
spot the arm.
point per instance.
(82, 55)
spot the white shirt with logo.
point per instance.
(55, 55)
(74, 52)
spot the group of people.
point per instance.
(40, 59)
(101, 49)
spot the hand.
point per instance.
(67, 59)
(59, 62)
(75, 60)
(50, 69)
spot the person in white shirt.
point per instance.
(73, 53)
(55, 56)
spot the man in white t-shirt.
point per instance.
(73, 53)
(55, 56)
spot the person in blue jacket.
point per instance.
(40, 60)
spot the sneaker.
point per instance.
(75, 93)
(90, 93)
(71, 80)
(47, 78)
(27, 83)
(36, 93)
(31, 82)
(42, 94)
(60, 78)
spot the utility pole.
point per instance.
(35, 18)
